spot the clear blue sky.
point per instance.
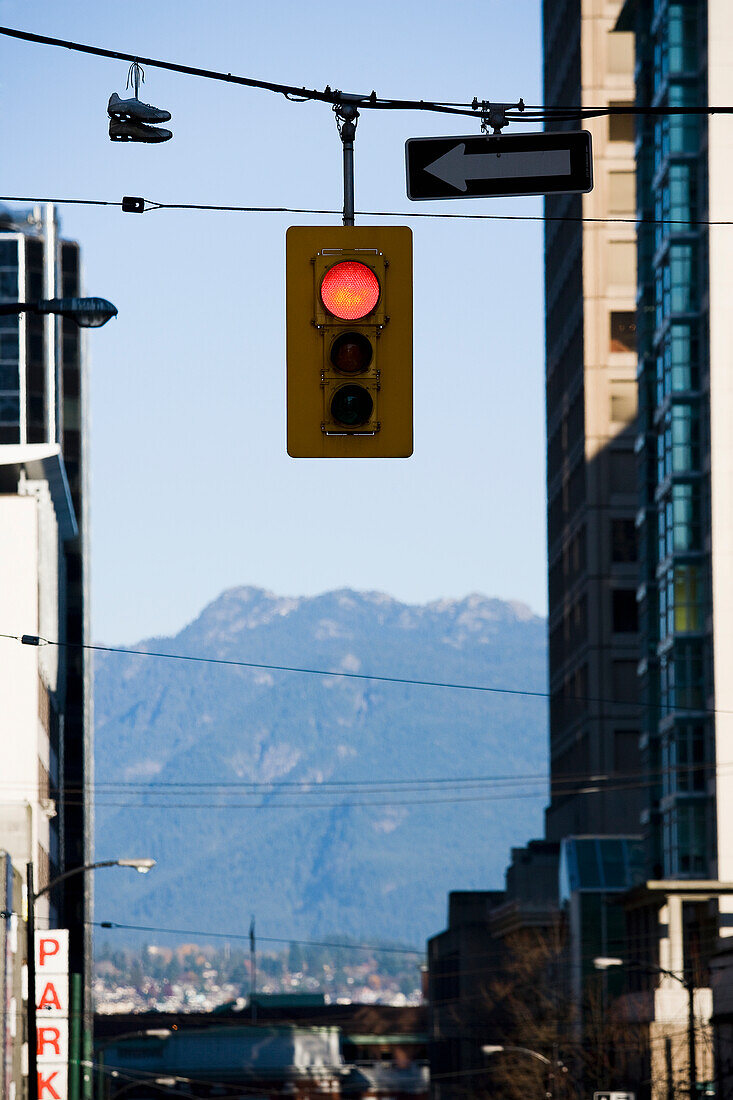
(192, 491)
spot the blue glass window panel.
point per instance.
(9, 409)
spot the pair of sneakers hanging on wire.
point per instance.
(129, 119)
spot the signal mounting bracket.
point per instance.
(494, 115)
(347, 116)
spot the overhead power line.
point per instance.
(33, 639)
(290, 91)
(151, 205)
(633, 704)
(260, 939)
(474, 109)
(393, 801)
(380, 785)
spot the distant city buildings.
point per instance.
(45, 727)
(199, 978)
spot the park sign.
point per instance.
(52, 1013)
(492, 165)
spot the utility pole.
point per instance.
(252, 970)
(31, 951)
(689, 982)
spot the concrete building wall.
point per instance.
(45, 727)
(590, 282)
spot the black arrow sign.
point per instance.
(501, 164)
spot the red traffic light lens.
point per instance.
(350, 290)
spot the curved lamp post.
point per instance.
(604, 963)
(554, 1063)
(85, 312)
(140, 865)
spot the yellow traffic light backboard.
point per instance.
(349, 341)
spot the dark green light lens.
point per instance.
(351, 406)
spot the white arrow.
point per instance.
(456, 166)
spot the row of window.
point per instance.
(672, 274)
(9, 367)
(9, 348)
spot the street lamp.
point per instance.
(554, 1063)
(603, 962)
(85, 312)
(140, 865)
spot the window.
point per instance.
(621, 192)
(681, 601)
(684, 840)
(682, 677)
(623, 541)
(689, 676)
(622, 263)
(675, 203)
(687, 598)
(681, 38)
(685, 438)
(620, 127)
(622, 472)
(677, 362)
(683, 129)
(625, 687)
(623, 402)
(681, 278)
(626, 752)
(623, 331)
(624, 611)
(9, 377)
(678, 442)
(679, 522)
(620, 52)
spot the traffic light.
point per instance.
(349, 341)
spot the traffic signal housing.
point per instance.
(349, 341)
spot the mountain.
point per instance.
(178, 741)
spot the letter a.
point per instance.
(49, 997)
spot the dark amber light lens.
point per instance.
(351, 406)
(351, 353)
(350, 290)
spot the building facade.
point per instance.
(685, 518)
(45, 722)
(590, 333)
(683, 441)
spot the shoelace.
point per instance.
(135, 77)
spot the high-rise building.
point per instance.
(685, 517)
(683, 442)
(590, 283)
(45, 717)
